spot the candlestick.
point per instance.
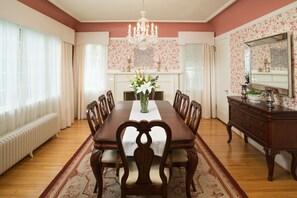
(129, 31)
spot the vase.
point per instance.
(144, 98)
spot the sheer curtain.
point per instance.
(9, 58)
(193, 67)
(199, 79)
(67, 88)
(91, 75)
(29, 84)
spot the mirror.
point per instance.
(268, 62)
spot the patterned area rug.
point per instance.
(76, 179)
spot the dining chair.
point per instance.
(110, 100)
(176, 99)
(109, 157)
(144, 173)
(93, 117)
(183, 106)
(179, 157)
(194, 116)
(103, 111)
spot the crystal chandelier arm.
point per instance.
(144, 33)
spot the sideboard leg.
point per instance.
(270, 156)
(97, 169)
(229, 132)
(294, 164)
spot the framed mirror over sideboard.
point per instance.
(268, 62)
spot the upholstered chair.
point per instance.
(179, 157)
(144, 173)
(103, 110)
(109, 157)
(183, 106)
(110, 100)
(176, 101)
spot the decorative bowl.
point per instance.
(255, 98)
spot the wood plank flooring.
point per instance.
(245, 163)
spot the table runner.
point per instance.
(157, 133)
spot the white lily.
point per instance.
(145, 87)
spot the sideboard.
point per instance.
(275, 129)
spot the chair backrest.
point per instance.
(143, 158)
(184, 104)
(103, 107)
(110, 100)
(194, 116)
(176, 99)
(93, 117)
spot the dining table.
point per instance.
(182, 137)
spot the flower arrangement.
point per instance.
(254, 95)
(253, 91)
(143, 84)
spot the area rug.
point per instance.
(76, 179)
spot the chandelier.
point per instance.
(144, 34)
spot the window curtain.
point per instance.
(9, 58)
(199, 76)
(67, 88)
(193, 67)
(90, 72)
(209, 90)
(29, 69)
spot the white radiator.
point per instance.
(17, 144)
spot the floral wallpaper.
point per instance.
(284, 22)
(163, 56)
(264, 56)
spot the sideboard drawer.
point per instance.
(256, 127)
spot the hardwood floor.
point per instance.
(245, 163)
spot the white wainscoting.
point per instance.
(118, 83)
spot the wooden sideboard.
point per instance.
(275, 129)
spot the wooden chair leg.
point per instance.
(193, 186)
(95, 189)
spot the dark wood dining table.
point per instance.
(182, 138)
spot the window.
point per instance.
(95, 69)
(29, 75)
(9, 57)
(193, 67)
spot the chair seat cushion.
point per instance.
(109, 156)
(154, 173)
(179, 155)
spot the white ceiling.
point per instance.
(156, 10)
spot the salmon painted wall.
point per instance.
(239, 13)
(244, 11)
(50, 10)
(165, 29)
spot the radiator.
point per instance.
(17, 144)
